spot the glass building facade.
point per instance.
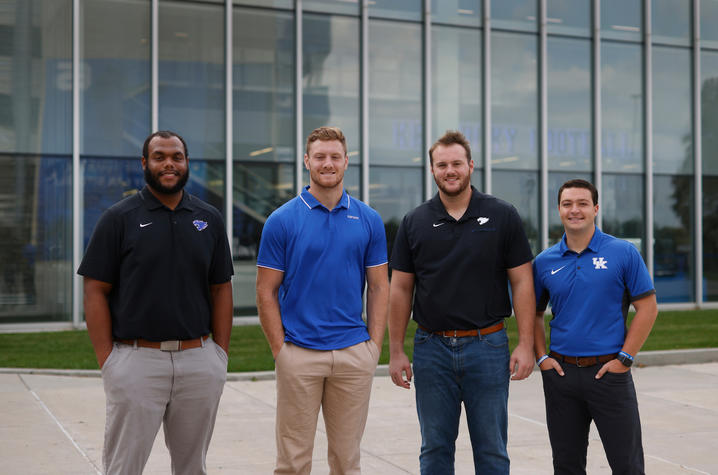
(620, 92)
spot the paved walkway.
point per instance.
(54, 425)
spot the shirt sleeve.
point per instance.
(222, 268)
(401, 252)
(518, 250)
(272, 244)
(637, 279)
(542, 295)
(376, 250)
(102, 256)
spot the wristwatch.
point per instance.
(627, 361)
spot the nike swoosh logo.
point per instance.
(436, 225)
(482, 220)
(145, 224)
(554, 271)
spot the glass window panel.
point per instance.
(263, 134)
(710, 242)
(569, 140)
(36, 76)
(555, 180)
(456, 85)
(709, 141)
(514, 101)
(331, 76)
(457, 12)
(115, 98)
(266, 3)
(395, 92)
(191, 75)
(395, 9)
(521, 189)
(621, 19)
(36, 244)
(570, 17)
(622, 206)
(394, 191)
(673, 238)
(709, 20)
(672, 116)
(622, 107)
(346, 7)
(514, 14)
(671, 21)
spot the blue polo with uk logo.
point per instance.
(590, 293)
(324, 255)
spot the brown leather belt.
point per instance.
(582, 361)
(168, 345)
(459, 333)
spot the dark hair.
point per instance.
(449, 138)
(327, 134)
(578, 183)
(165, 134)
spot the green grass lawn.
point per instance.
(249, 350)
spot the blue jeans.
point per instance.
(472, 370)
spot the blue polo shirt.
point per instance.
(590, 293)
(324, 255)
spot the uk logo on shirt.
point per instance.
(600, 263)
(200, 225)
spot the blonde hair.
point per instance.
(326, 134)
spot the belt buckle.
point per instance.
(170, 345)
(578, 362)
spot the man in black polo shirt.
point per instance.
(456, 254)
(157, 282)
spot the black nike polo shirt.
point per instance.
(161, 264)
(460, 266)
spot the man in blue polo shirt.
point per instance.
(591, 278)
(316, 253)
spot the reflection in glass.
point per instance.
(266, 3)
(710, 241)
(621, 206)
(36, 76)
(709, 19)
(555, 180)
(514, 14)
(394, 191)
(191, 75)
(457, 12)
(672, 111)
(395, 91)
(116, 58)
(456, 85)
(521, 189)
(396, 9)
(514, 101)
(709, 141)
(331, 76)
(568, 139)
(673, 246)
(569, 17)
(36, 244)
(621, 107)
(346, 7)
(263, 123)
(671, 21)
(621, 19)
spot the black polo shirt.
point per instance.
(161, 264)
(460, 266)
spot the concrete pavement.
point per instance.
(53, 424)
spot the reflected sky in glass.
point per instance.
(621, 19)
(709, 20)
(672, 111)
(568, 82)
(346, 7)
(568, 17)
(457, 12)
(514, 99)
(456, 85)
(671, 21)
(709, 111)
(394, 191)
(514, 14)
(621, 107)
(521, 189)
(621, 205)
(396, 9)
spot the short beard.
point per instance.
(464, 186)
(155, 184)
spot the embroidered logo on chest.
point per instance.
(200, 225)
(600, 263)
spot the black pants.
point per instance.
(574, 400)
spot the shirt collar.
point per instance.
(593, 245)
(312, 202)
(472, 211)
(152, 203)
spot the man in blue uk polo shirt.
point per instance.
(591, 278)
(316, 253)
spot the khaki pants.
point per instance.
(340, 382)
(146, 388)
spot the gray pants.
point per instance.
(146, 387)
